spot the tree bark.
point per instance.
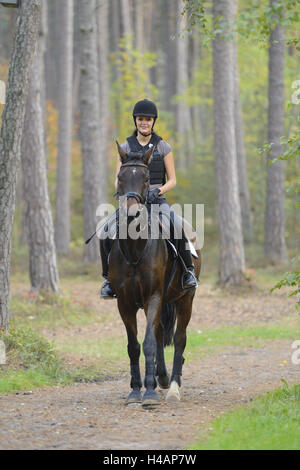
(183, 112)
(126, 17)
(90, 135)
(196, 110)
(65, 108)
(139, 25)
(39, 224)
(275, 246)
(104, 77)
(241, 157)
(231, 250)
(169, 15)
(27, 30)
(51, 51)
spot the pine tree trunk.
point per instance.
(196, 111)
(183, 112)
(27, 29)
(39, 224)
(51, 50)
(241, 157)
(104, 77)
(170, 27)
(126, 17)
(90, 135)
(231, 250)
(139, 25)
(275, 246)
(65, 80)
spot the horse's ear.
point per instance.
(148, 155)
(122, 153)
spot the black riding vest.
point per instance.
(156, 166)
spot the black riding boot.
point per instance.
(106, 291)
(188, 279)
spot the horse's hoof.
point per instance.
(163, 381)
(150, 398)
(173, 393)
(134, 397)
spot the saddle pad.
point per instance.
(193, 251)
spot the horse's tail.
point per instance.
(168, 318)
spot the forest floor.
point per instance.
(218, 375)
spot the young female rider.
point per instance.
(161, 165)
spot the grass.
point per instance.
(271, 422)
(31, 362)
(242, 335)
(114, 350)
(14, 380)
(49, 310)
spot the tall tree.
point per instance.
(38, 217)
(10, 137)
(51, 50)
(195, 64)
(65, 80)
(126, 17)
(231, 250)
(139, 25)
(275, 246)
(103, 8)
(183, 112)
(169, 16)
(241, 156)
(90, 135)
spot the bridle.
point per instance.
(139, 198)
(142, 200)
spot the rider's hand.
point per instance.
(153, 195)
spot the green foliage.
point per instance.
(32, 362)
(291, 152)
(271, 422)
(26, 346)
(254, 23)
(290, 279)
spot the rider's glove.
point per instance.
(153, 196)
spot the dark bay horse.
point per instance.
(142, 274)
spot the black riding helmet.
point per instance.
(145, 108)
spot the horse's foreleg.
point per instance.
(161, 369)
(184, 311)
(151, 397)
(134, 350)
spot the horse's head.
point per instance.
(134, 178)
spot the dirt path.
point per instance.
(93, 416)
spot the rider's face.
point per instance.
(144, 124)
